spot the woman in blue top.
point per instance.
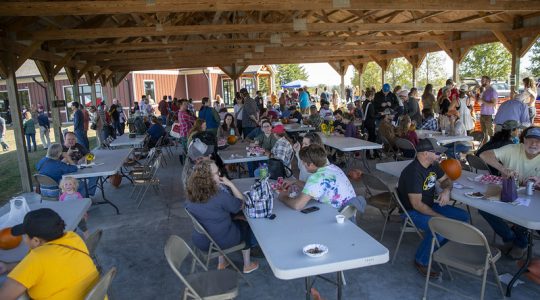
(213, 203)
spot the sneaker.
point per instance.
(517, 253)
(252, 267)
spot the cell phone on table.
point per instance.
(308, 210)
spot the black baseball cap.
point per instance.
(429, 146)
(43, 223)
(244, 91)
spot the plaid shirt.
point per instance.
(283, 150)
(186, 122)
(430, 124)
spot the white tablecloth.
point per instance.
(442, 139)
(298, 127)
(283, 238)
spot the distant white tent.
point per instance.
(298, 84)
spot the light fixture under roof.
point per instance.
(259, 48)
(248, 55)
(300, 24)
(342, 3)
(275, 38)
(239, 61)
(159, 27)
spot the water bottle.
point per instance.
(263, 171)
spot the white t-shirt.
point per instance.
(329, 185)
(326, 114)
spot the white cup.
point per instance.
(340, 219)
(430, 135)
(443, 132)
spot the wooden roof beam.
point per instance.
(57, 8)
(97, 33)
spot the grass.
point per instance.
(10, 180)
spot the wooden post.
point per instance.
(55, 111)
(514, 73)
(15, 108)
(455, 69)
(94, 94)
(76, 94)
(413, 76)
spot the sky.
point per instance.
(322, 73)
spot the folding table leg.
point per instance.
(339, 284)
(308, 287)
(525, 265)
(100, 184)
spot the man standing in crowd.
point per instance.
(250, 113)
(210, 115)
(44, 127)
(514, 109)
(185, 121)
(163, 108)
(259, 100)
(5, 146)
(385, 99)
(416, 190)
(78, 125)
(304, 101)
(488, 104)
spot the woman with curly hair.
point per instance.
(212, 203)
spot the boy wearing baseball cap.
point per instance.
(58, 265)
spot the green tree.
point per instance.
(399, 73)
(534, 68)
(431, 70)
(491, 59)
(264, 85)
(371, 77)
(288, 73)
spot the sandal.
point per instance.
(223, 266)
(252, 267)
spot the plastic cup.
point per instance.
(443, 132)
(340, 219)
(430, 135)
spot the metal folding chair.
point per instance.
(379, 195)
(46, 182)
(407, 226)
(467, 251)
(214, 284)
(99, 291)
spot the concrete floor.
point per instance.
(133, 242)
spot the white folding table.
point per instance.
(70, 211)
(442, 139)
(349, 144)
(107, 163)
(526, 216)
(349, 246)
(125, 140)
(237, 153)
(295, 127)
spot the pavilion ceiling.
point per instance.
(106, 37)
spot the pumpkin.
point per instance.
(231, 139)
(452, 168)
(285, 121)
(115, 179)
(7, 240)
(355, 174)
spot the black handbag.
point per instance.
(276, 169)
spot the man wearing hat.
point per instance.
(57, 266)
(514, 109)
(44, 127)
(385, 99)
(416, 190)
(521, 161)
(197, 152)
(282, 148)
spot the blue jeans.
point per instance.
(92, 185)
(82, 138)
(421, 221)
(247, 130)
(31, 138)
(516, 235)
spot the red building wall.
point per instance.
(164, 85)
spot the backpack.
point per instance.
(259, 200)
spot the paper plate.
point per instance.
(315, 250)
(471, 195)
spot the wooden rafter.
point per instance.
(55, 8)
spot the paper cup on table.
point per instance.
(443, 132)
(340, 219)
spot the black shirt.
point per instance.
(415, 179)
(79, 151)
